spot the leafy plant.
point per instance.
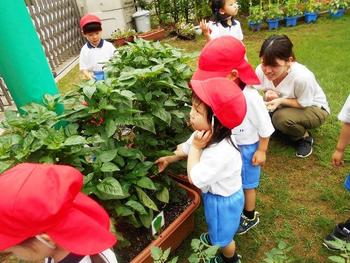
(291, 8)
(274, 11)
(185, 30)
(123, 33)
(312, 6)
(200, 253)
(256, 13)
(278, 254)
(343, 250)
(335, 5)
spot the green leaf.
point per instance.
(89, 91)
(157, 224)
(75, 140)
(109, 167)
(136, 206)
(110, 188)
(162, 114)
(337, 259)
(87, 178)
(122, 210)
(107, 156)
(163, 195)
(71, 129)
(156, 253)
(146, 219)
(146, 182)
(145, 199)
(111, 127)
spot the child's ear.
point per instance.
(233, 75)
(221, 11)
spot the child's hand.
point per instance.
(259, 158)
(162, 163)
(204, 27)
(338, 158)
(201, 139)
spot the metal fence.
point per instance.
(57, 24)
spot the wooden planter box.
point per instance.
(155, 34)
(176, 232)
(123, 41)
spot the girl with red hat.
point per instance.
(214, 161)
(43, 214)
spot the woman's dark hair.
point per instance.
(92, 27)
(276, 47)
(216, 5)
(220, 132)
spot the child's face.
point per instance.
(94, 37)
(230, 8)
(198, 116)
(279, 71)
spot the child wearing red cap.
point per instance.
(225, 57)
(96, 51)
(43, 214)
(224, 23)
(213, 160)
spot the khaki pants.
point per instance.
(294, 122)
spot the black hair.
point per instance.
(276, 47)
(216, 5)
(220, 132)
(92, 27)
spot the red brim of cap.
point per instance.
(245, 72)
(85, 228)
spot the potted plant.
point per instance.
(154, 34)
(291, 12)
(121, 37)
(337, 8)
(256, 16)
(273, 14)
(185, 31)
(310, 11)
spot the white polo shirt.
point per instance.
(218, 30)
(219, 168)
(300, 84)
(344, 114)
(92, 58)
(257, 121)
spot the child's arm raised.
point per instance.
(205, 29)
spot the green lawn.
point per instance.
(299, 200)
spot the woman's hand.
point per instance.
(271, 95)
(201, 139)
(273, 104)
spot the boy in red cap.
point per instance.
(213, 159)
(43, 214)
(225, 57)
(96, 51)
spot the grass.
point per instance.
(299, 200)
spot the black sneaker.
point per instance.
(219, 259)
(304, 148)
(205, 239)
(246, 224)
(340, 237)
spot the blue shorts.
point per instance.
(347, 182)
(223, 214)
(250, 173)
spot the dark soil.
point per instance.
(142, 237)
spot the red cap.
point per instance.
(46, 198)
(224, 97)
(88, 18)
(222, 55)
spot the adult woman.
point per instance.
(292, 94)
